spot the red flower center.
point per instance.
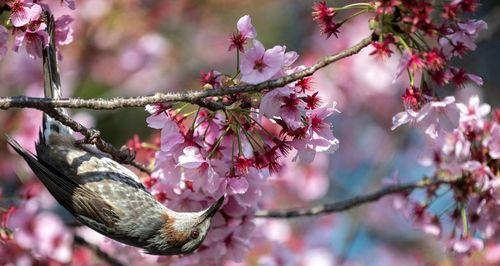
(259, 64)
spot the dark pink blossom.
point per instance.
(382, 49)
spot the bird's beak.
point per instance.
(210, 212)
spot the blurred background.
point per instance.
(131, 48)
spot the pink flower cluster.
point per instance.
(467, 156)
(205, 154)
(28, 27)
(428, 44)
(34, 228)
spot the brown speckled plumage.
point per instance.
(103, 194)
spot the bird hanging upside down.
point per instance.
(100, 192)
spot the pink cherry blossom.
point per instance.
(401, 118)
(258, 65)
(434, 117)
(493, 141)
(245, 31)
(237, 185)
(44, 233)
(439, 116)
(474, 112)
(34, 40)
(456, 145)
(472, 27)
(408, 61)
(493, 253)
(464, 36)
(480, 172)
(270, 104)
(290, 58)
(170, 134)
(246, 28)
(63, 31)
(23, 12)
(466, 245)
(291, 110)
(320, 136)
(54, 239)
(191, 158)
(284, 103)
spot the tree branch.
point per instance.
(197, 97)
(348, 203)
(93, 136)
(101, 254)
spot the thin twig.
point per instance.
(197, 97)
(99, 252)
(348, 203)
(93, 136)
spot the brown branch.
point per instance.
(197, 97)
(92, 136)
(99, 252)
(348, 203)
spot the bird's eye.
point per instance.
(195, 234)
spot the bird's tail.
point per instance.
(52, 83)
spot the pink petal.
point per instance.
(34, 12)
(238, 185)
(170, 136)
(245, 27)
(20, 18)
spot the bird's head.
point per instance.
(185, 231)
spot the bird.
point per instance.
(100, 192)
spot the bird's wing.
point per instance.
(75, 197)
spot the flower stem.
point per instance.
(351, 6)
(463, 212)
(353, 15)
(195, 117)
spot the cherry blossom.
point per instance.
(258, 64)
(33, 39)
(23, 12)
(439, 116)
(464, 37)
(245, 31)
(434, 117)
(246, 28)
(271, 148)
(466, 245)
(63, 31)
